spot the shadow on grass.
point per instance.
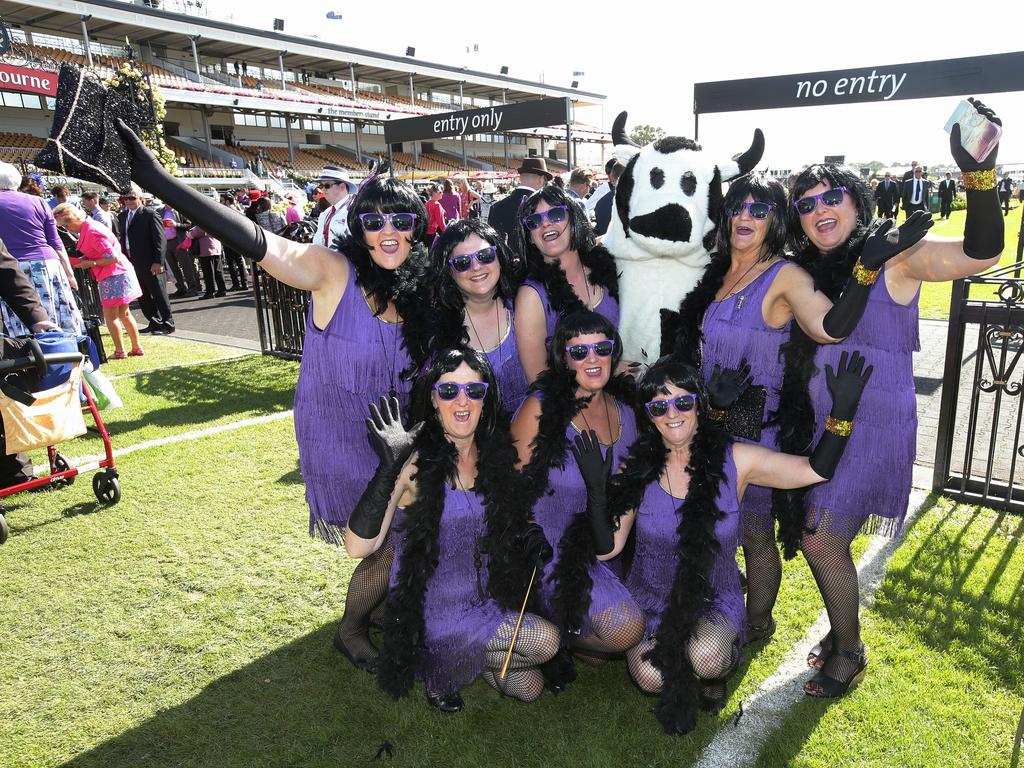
(291, 478)
(82, 508)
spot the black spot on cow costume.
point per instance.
(667, 204)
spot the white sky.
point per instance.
(647, 63)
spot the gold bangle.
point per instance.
(863, 275)
(838, 427)
(715, 414)
(980, 180)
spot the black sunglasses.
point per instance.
(482, 257)
(579, 352)
(758, 210)
(449, 390)
(683, 404)
(374, 222)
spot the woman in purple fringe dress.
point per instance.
(739, 315)
(474, 287)
(871, 490)
(680, 491)
(575, 394)
(448, 492)
(566, 271)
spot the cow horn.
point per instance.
(746, 162)
(619, 136)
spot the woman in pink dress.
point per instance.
(112, 271)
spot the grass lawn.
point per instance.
(934, 302)
(190, 625)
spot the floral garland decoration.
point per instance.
(149, 108)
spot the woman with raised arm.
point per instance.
(830, 215)
(737, 318)
(366, 332)
(566, 271)
(463, 547)
(679, 491)
(474, 288)
(576, 394)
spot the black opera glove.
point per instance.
(231, 227)
(727, 385)
(394, 446)
(846, 385)
(535, 545)
(595, 469)
(983, 231)
(882, 243)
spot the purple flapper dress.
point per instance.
(508, 371)
(734, 328)
(353, 361)
(566, 495)
(871, 486)
(607, 306)
(459, 619)
(656, 560)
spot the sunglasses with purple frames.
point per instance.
(579, 352)
(449, 390)
(483, 257)
(830, 197)
(554, 215)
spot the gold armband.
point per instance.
(980, 179)
(838, 427)
(715, 414)
(863, 275)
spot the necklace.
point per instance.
(497, 322)
(393, 362)
(607, 417)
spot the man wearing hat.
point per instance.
(333, 221)
(533, 174)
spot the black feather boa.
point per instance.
(688, 337)
(508, 569)
(406, 287)
(561, 297)
(830, 272)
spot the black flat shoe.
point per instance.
(359, 662)
(446, 702)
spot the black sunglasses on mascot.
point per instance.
(683, 404)
(579, 352)
(449, 390)
(482, 257)
(375, 222)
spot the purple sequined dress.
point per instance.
(607, 306)
(508, 371)
(345, 366)
(871, 486)
(566, 495)
(458, 619)
(655, 561)
(734, 328)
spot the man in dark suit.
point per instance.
(605, 206)
(143, 241)
(504, 216)
(947, 191)
(915, 192)
(1005, 187)
(887, 196)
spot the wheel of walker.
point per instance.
(107, 488)
(5, 531)
(60, 464)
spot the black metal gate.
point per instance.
(280, 314)
(979, 457)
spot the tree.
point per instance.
(646, 134)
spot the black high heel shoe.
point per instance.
(446, 702)
(824, 686)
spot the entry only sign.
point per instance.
(997, 73)
(497, 119)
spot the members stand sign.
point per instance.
(921, 80)
(496, 119)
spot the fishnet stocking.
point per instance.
(764, 575)
(366, 590)
(713, 651)
(614, 630)
(536, 643)
(832, 565)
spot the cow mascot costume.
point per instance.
(667, 204)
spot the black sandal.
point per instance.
(823, 686)
(819, 654)
(758, 632)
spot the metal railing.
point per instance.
(979, 456)
(280, 315)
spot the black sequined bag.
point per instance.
(83, 141)
(746, 417)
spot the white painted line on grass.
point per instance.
(81, 461)
(117, 376)
(766, 710)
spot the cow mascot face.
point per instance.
(667, 204)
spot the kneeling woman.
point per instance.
(463, 547)
(681, 488)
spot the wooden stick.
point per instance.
(515, 632)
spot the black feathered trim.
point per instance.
(689, 337)
(561, 297)
(406, 286)
(795, 418)
(505, 515)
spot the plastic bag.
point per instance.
(103, 392)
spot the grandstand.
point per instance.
(236, 95)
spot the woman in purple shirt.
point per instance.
(29, 231)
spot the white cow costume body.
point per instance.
(667, 203)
